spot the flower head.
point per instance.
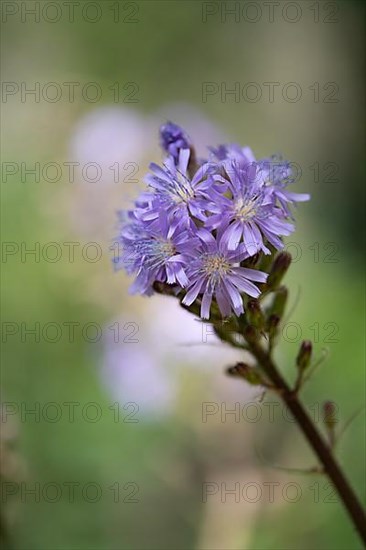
(273, 172)
(215, 272)
(155, 252)
(176, 192)
(247, 211)
(277, 174)
(199, 226)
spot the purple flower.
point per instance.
(172, 139)
(243, 156)
(193, 231)
(247, 211)
(277, 174)
(215, 272)
(155, 252)
(176, 193)
(274, 172)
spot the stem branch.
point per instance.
(314, 438)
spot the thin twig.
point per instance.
(320, 447)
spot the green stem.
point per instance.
(314, 438)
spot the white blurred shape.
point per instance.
(178, 332)
(184, 341)
(114, 138)
(108, 135)
(132, 373)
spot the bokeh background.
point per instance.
(144, 459)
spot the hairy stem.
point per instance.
(316, 441)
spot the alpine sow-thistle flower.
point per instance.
(207, 231)
(201, 225)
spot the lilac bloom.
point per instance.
(155, 252)
(274, 172)
(215, 272)
(172, 139)
(176, 192)
(243, 156)
(249, 213)
(193, 230)
(277, 174)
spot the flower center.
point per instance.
(245, 210)
(184, 194)
(216, 265)
(166, 248)
(182, 189)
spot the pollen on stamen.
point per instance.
(183, 191)
(216, 265)
(245, 210)
(166, 248)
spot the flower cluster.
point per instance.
(202, 223)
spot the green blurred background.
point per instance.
(140, 475)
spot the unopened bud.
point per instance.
(165, 288)
(266, 259)
(173, 138)
(278, 269)
(194, 308)
(255, 314)
(251, 334)
(250, 374)
(329, 410)
(273, 322)
(304, 355)
(226, 331)
(252, 261)
(279, 302)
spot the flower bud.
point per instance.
(255, 314)
(173, 138)
(250, 374)
(272, 324)
(329, 410)
(266, 259)
(252, 261)
(278, 269)
(165, 288)
(304, 355)
(251, 334)
(194, 308)
(226, 331)
(279, 302)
